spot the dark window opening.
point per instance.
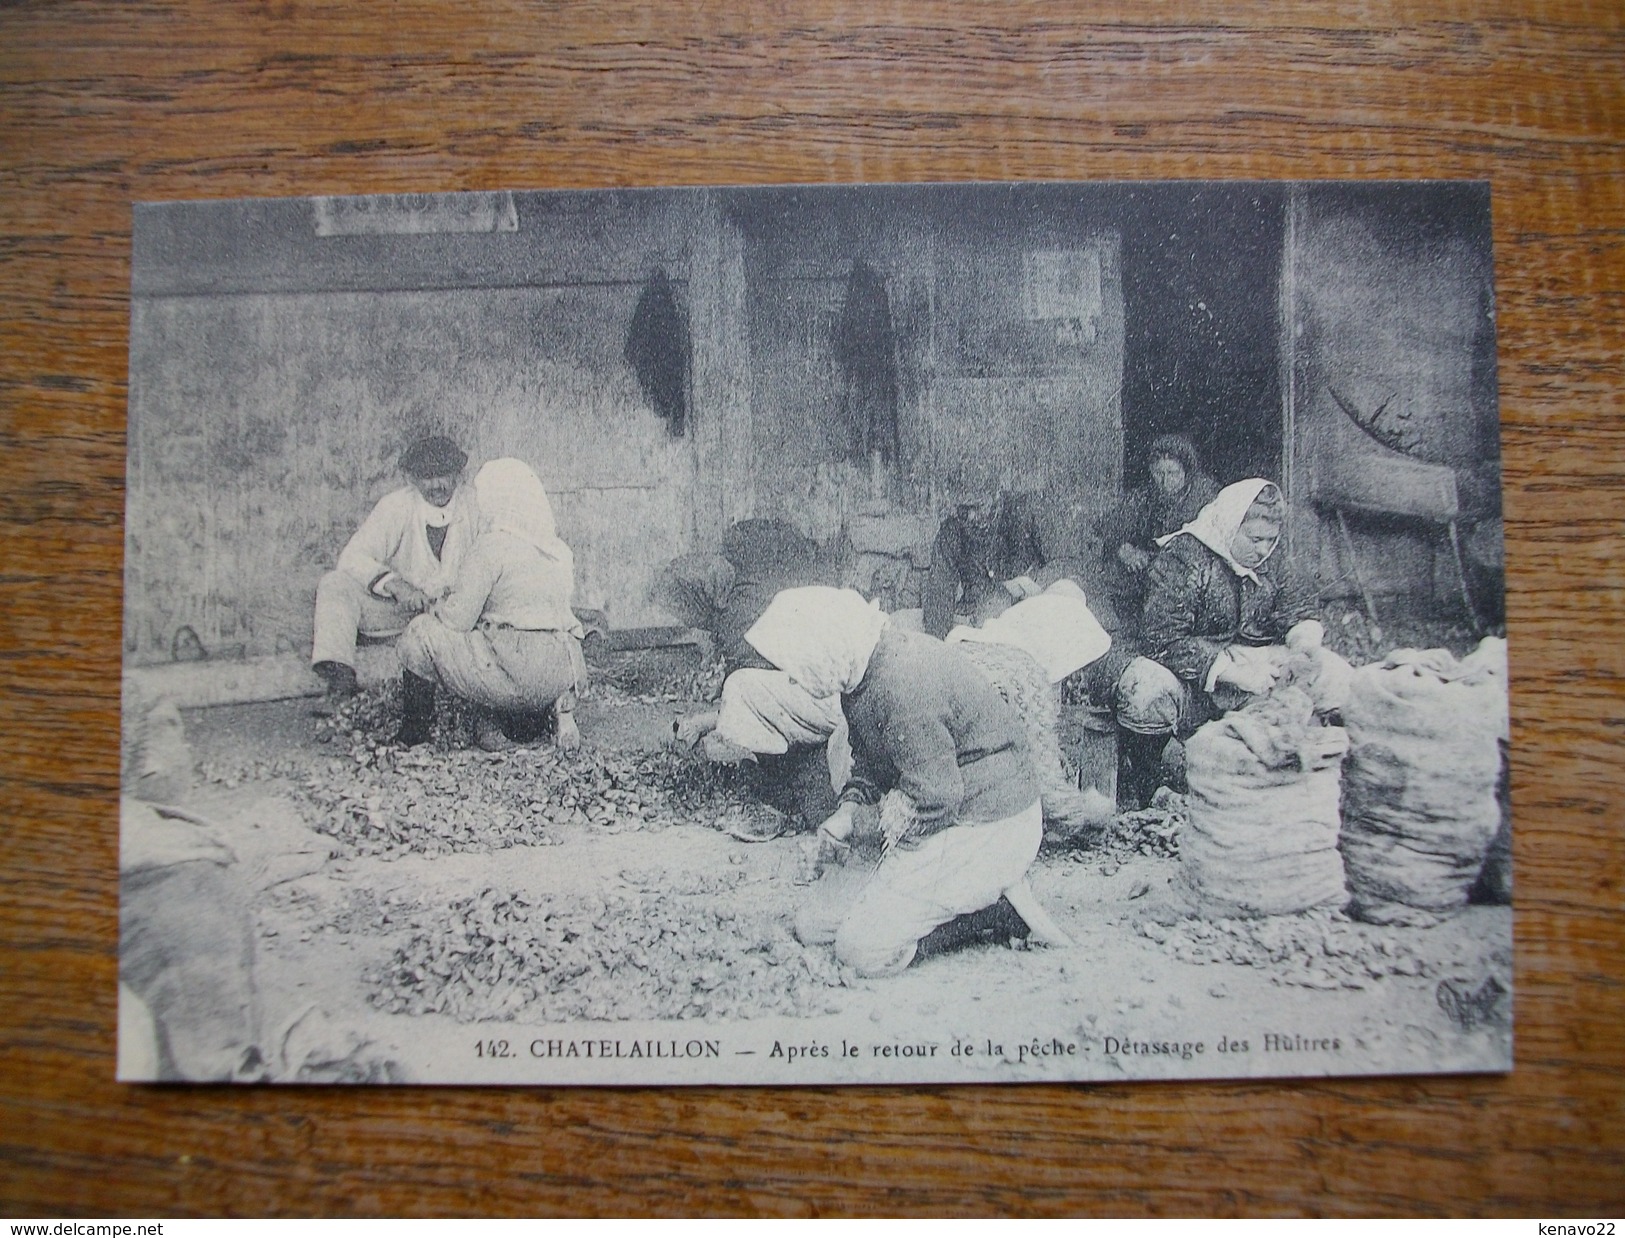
(1201, 281)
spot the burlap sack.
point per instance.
(186, 947)
(1420, 810)
(157, 761)
(1263, 804)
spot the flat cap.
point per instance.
(435, 456)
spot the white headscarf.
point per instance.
(821, 637)
(512, 500)
(1057, 628)
(1216, 524)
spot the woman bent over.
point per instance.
(925, 723)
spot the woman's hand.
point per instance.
(688, 731)
(1020, 588)
(833, 834)
(838, 826)
(1255, 676)
(1305, 635)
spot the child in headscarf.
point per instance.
(504, 637)
(1218, 606)
(760, 714)
(924, 722)
(1027, 651)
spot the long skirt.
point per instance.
(497, 667)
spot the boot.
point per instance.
(417, 710)
(996, 925)
(1139, 768)
(341, 686)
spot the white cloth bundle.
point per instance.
(1056, 628)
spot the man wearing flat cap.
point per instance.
(403, 557)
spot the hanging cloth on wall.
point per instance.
(657, 349)
(866, 350)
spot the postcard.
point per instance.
(945, 633)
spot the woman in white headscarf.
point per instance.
(1220, 614)
(504, 637)
(927, 725)
(1025, 651)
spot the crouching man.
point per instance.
(400, 561)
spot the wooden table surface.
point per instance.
(103, 103)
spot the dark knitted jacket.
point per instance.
(926, 721)
(1195, 605)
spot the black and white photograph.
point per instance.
(870, 634)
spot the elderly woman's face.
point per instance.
(1255, 540)
(1167, 475)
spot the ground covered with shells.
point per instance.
(395, 801)
(1317, 949)
(557, 958)
(536, 886)
(373, 797)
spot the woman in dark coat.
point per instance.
(990, 554)
(1221, 620)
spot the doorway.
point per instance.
(1202, 346)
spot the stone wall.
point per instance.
(271, 395)
(284, 352)
(1007, 313)
(1393, 325)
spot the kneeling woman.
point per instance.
(504, 637)
(1219, 604)
(925, 722)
